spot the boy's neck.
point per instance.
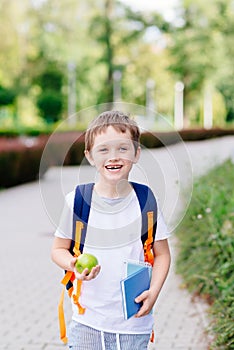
(119, 190)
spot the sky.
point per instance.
(165, 7)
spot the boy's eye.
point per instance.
(103, 150)
(123, 149)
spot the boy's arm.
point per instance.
(162, 261)
(62, 257)
(60, 254)
(160, 270)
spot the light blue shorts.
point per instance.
(81, 337)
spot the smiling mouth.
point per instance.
(113, 167)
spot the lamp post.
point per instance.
(179, 105)
(208, 109)
(150, 105)
(117, 76)
(150, 85)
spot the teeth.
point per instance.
(113, 167)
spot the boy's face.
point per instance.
(113, 154)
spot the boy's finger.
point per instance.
(140, 312)
(141, 297)
(85, 272)
(95, 271)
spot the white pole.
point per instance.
(208, 109)
(150, 85)
(179, 105)
(117, 75)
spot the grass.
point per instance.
(206, 249)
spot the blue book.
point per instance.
(131, 287)
(133, 266)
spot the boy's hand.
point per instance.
(85, 275)
(148, 299)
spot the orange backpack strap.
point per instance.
(76, 250)
(67, 277)
(62, 324)
(149, 257)
(70, 276)
(152, 337)
(148, 205)
(79, 227)
(81, 310)
(81, 208)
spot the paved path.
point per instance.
(30, 281)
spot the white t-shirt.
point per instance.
(113, 236)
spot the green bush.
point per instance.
(204, 134)
(148, 139)
(7, 96)
(50, 100)
(20, 161)
(50, 105)
(19, 166)
(206, 249)
(65, 148)
(50, 79)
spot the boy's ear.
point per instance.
(137, 155)
(89, 157)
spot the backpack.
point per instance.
(81, 209)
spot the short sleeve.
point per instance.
(162, 229)
(64, 229)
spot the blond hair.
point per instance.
(118, 120)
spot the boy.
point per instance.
(113, 236)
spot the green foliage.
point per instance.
(100, 37)
(50, 79)
(224, 29)
(50, 100)
(7, 96)
(226, 88)
(50, 105)
(206, 248)
(119, 31)
(202, 52)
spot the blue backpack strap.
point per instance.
(82, 202)
(81, 209)
(147, 203)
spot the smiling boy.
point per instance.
(113, 236)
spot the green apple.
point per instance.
(84, 261)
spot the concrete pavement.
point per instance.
(30, 285)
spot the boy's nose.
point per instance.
(114, 154)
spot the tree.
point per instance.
(98, 36)
(202, 51)
(119, 30)
(7, 96)
(50, 99)
(59, 31)
(50, 105)
(223, 26)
